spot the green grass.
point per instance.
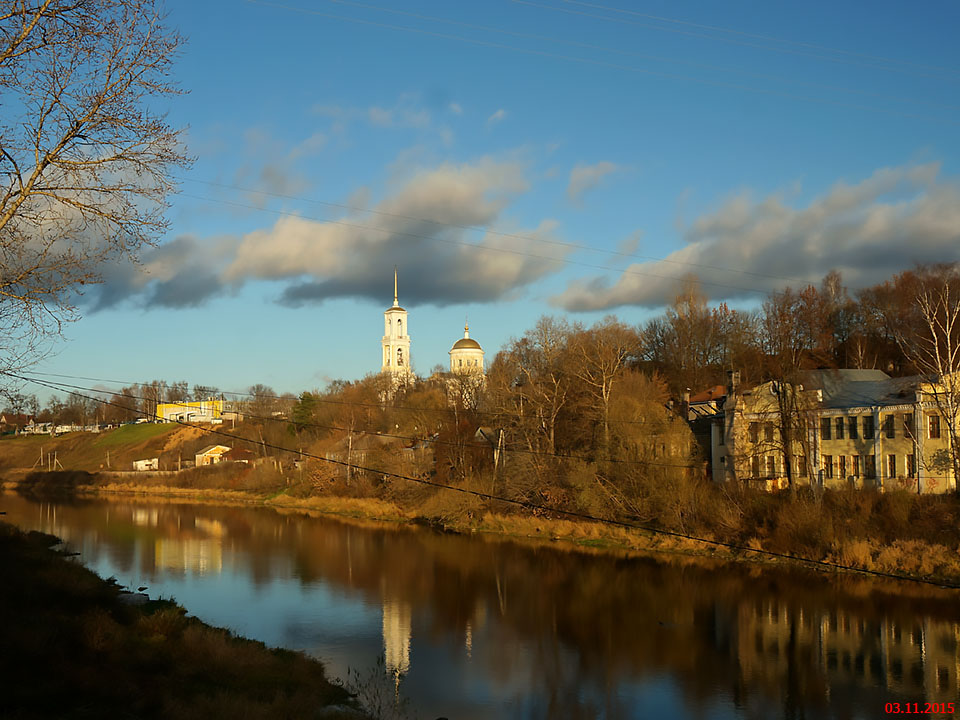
(133, 434)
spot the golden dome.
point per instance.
(466, 344)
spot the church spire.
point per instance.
(395, 303)
(466, 328)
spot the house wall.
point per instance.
(739, 452)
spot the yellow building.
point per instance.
(197, 411)
(851, 428)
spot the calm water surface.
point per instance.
(477, 628)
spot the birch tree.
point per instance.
(86, 157)
(932, 343)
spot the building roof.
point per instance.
(466, 344)
(211, 448)
(710, 394)
(862, 388)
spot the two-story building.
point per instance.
(846, 428)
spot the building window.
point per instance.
(911, 466)
(754, 432)
(839, 426)
(889, 426)
(824, 428)
(908, 425)
(841, 466)
(768, 431)
(399, 356)
(891, 464)
(853, 427)
(801, 465)
(771, 466)
(755, 466)
(933, 423)
(870, 466)
(855, 465)
(868, 427)
(828, 466)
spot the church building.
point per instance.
(396, 340)
(466, 355)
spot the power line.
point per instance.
(72, 389)
(732, 41)
(631, 53)
(546, 508)
(65, 387)
(489, 231)
(488, 248)
(735, 31)
(607, 64)
(326, 401)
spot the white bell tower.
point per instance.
(395, 358)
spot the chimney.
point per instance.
(733, 382)
(685, 404)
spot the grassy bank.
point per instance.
(71, 647)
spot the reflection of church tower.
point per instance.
(396, 637)
(396, 341)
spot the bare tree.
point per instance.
(85, 156)
(600, 356)
(932, 344)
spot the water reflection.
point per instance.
(478, 628)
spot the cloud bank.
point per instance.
(422, 227)
(884, 224)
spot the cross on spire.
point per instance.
(395, 303)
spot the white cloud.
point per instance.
(455, 108)
(884, 224)
(422, 227)
(497, 117)
(587, 177)
(380, 117)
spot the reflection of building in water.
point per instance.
(145, 517)
(918, 658)
(199, 555)
(396, 636)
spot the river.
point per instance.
(479, 628)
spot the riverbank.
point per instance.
(75, 645)
(842, 530)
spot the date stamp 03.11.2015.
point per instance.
(926, 708)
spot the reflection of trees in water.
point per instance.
(564, 630)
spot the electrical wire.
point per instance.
(489, 231)
(606, 64)
(786, 50)
(645, 56)
(460, 243)
(316, 398)
(735, 31)
(72, 389)
(526, 504)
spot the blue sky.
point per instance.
(521, 158)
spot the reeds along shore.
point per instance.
(72, 648)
